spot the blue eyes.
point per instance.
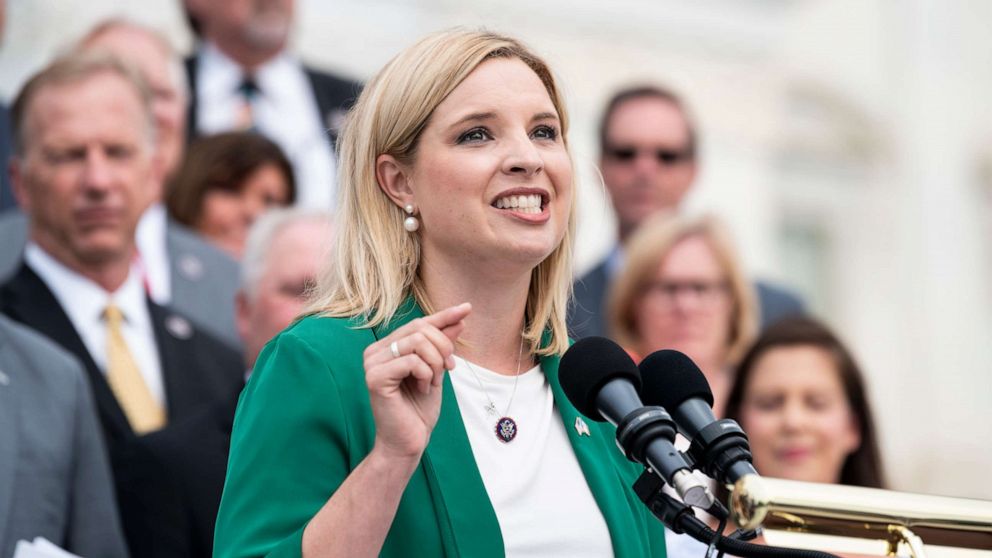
(478, 135)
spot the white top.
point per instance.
(540, 496)
(84, 302)
(153, 254)
(285, 110)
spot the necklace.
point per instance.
(506, 427)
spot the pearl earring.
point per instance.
(411, 223)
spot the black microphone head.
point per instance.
(669, 378)
(588, 365)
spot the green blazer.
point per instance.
(304, 423)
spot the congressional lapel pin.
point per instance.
(191, 267)
(179, 327)
(581, 427)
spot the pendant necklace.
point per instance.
(506, 427)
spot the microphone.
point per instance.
(718, 447)
(602, 381)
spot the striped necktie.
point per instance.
(142, 410)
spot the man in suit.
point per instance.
(177, 485)
(648, 162)
(83, 171)
(54, 478)
(243, 77)
(180, 269)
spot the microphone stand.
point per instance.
(680, 518)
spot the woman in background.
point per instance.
(226, 182)
(801, 399)
(683, 288)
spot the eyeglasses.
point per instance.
(667, 157)
(706, 293)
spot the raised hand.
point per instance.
(403, 372)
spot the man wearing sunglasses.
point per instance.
(648, 162)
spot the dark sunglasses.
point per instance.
(663, 156)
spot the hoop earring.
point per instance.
(411, 223)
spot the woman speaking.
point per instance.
(416, 410)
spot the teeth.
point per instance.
(525, 204)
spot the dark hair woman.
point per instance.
(801, 398)
(226, 182)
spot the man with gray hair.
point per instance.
(284, 251)
(179, 269)
(83, 172)
(181, 482)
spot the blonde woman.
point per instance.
(683, 288)
(417, 410)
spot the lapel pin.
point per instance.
(581, 427)
(179, 327)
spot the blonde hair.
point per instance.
(644, 252)
(376, 262)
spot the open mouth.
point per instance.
(533, 204)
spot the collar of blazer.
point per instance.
(456, 483)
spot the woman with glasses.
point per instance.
(683, 288)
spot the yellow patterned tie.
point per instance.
(142, 410)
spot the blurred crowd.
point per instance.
(163, 218)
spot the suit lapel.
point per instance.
(593, 449)
(28, 300)
(454, 477)
(9, 431)
(324, 106)
(190, 66)
(179, 373)
(170, 355)
(469, 526)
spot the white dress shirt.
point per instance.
(84, 302)
(537, 489)
(284, 109)
(154, 254)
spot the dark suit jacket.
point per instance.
(334, 97)
(587, 311)
(204, 278)
(176, 486)
(199, 372)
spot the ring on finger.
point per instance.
(394, 348)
